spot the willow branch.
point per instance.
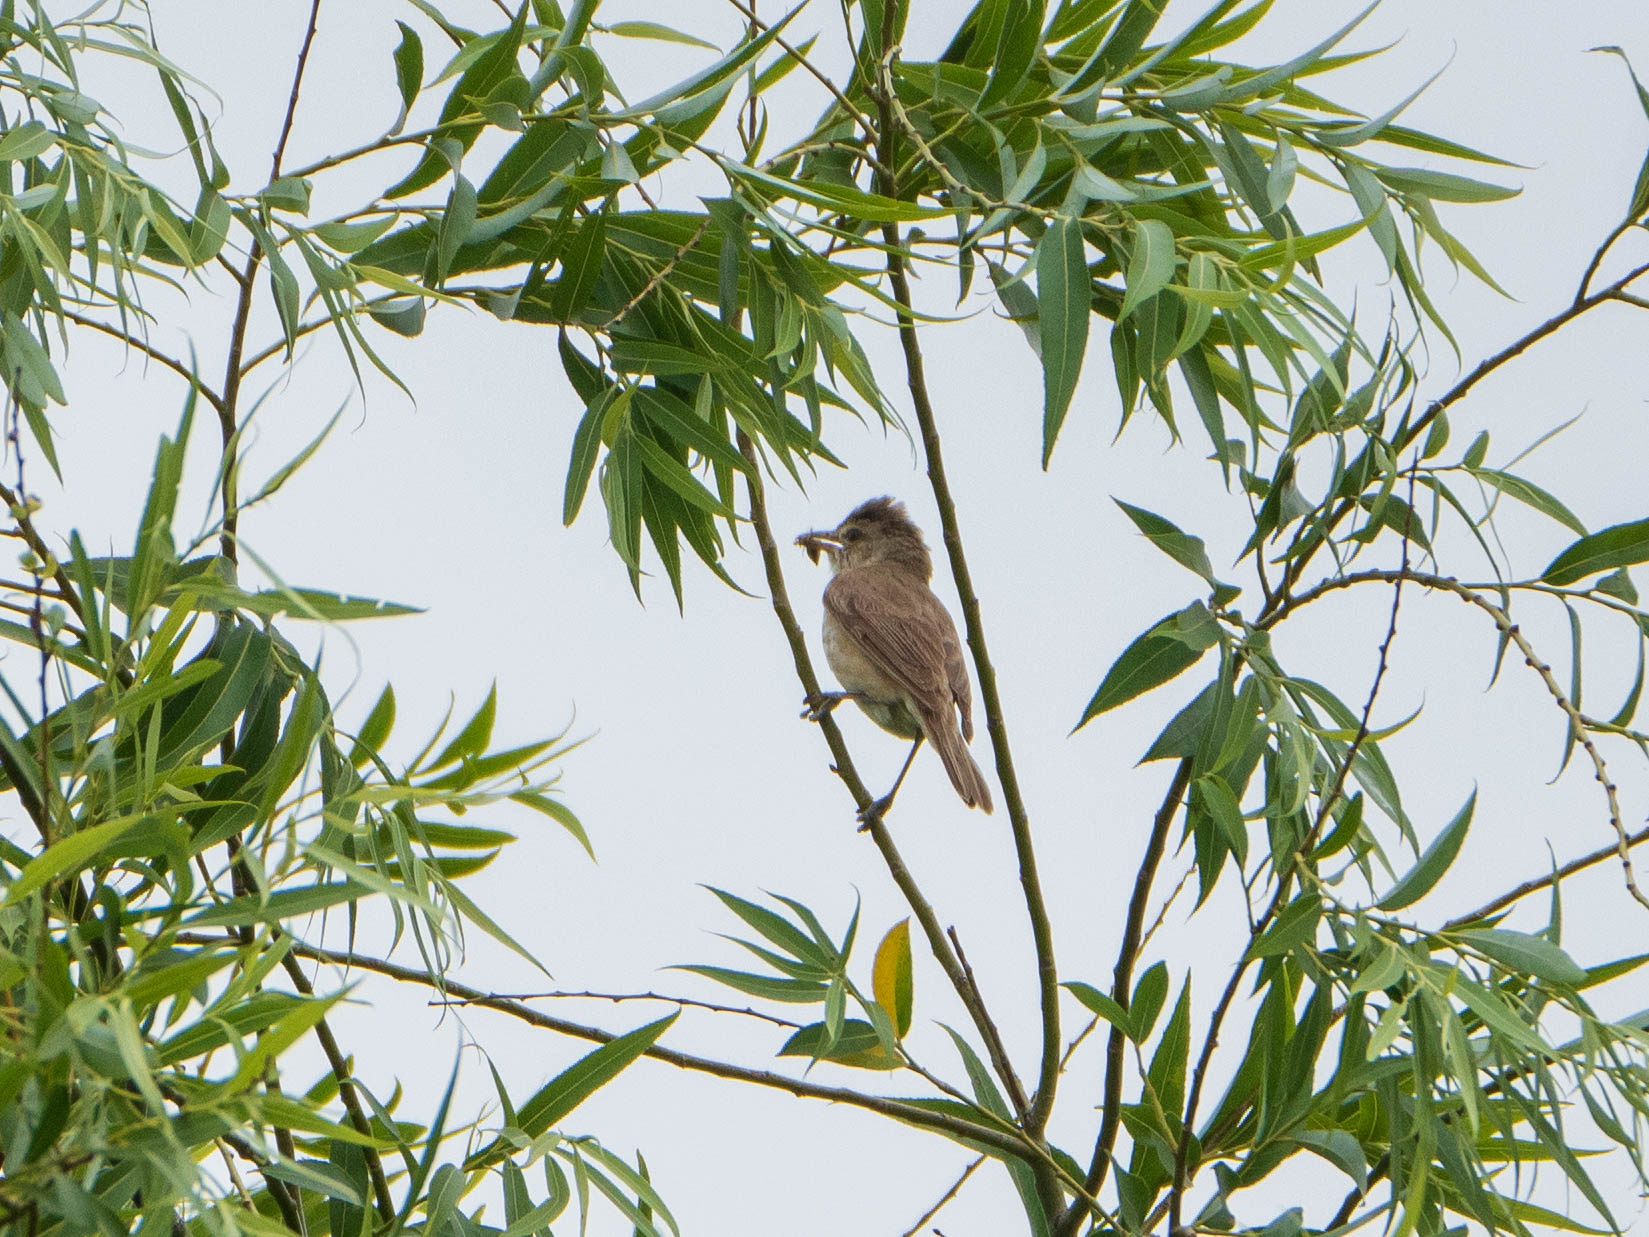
(862, 797)
(342, 1074)
(1576, 720)
(1612, 292)
(154, 354)
(911, 1114)
(1600, 855)
(990, 698)
(944, 1200)
(1200, 1075)
(620, 997)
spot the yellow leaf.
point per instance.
(891, 978)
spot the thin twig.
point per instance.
(617, 997)
(1015, 1087)
(659, 276)
(1296, 567)
(154, 354)
(1619, 231)
(1162, 911)
(37, 620)
(1325, 806)
(955, 1189)
(292, 99)
(749, 10)
(911, 1114)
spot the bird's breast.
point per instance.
(882, 700)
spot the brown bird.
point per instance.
(892, 645)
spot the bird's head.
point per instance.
(877, 531)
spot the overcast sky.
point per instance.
(697, 770)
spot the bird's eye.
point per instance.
(852, 534)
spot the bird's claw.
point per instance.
(872, 812)
(819, 705)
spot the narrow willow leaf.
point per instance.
(1097, 1002)
(1443, 186)
(575, 1084)
(1341, 1149)
(1530, 493)
(473, 738)
(1183, 548)
(855, 1043)
(654, 30)
(1150, 266)
(1525, 954)
(409, 70)
(891, 976)
(1433, 863)
(1062, 300)
(780, 931)
(1621, 545)
(586, 447)
(69, 854)
(1153, 659)
(1146, 1003)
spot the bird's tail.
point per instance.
(965, 775)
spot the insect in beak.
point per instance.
(815, 543)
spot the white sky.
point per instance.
(698, 772)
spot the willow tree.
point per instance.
(185, 800)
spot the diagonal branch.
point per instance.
(862, 798)
(341, 1073)
(999, 1141)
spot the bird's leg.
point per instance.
(878, 809)
(819, 704)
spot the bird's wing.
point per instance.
(956, 672)
(902, 628)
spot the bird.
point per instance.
(892, 644)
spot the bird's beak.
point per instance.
(814, 542)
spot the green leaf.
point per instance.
(473, 738)
(1062, 314)
(1621, 545)
(575, 1084)
(27, 141)
(1433, 863)
(316, 1175)
(769, 987)
(1183, 548)
(409, 70)
(1341, 1149)
(653, 30)
(1169, 649)
(1146, 1003)
(1295, 925)
(1443, 186)
(1099, 1003)
(1525, 954)
(891, 976)
(855, 1043)
(1168, 1062)
(69, 854)
(1533, 495)
(1150, 266)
